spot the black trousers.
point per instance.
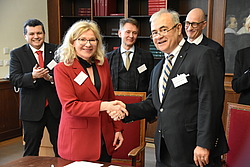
(105, 157)
(167, 161)
(33, 133)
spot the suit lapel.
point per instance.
(204, 41)
(30, 56)
(77, 68)
(48, 55)
(155, 81)
(136, 62)
(179, 60)
(115, 66)
(103, 79)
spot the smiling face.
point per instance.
(128, 33)
(195, 16)
(85, 51)
(35, 36)
(168, 42)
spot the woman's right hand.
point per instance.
(116, 109)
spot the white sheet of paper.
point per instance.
(83, 163)
(142, 68)
(80, 78)
(52, 64)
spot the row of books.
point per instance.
(84, 11)
(155, 6)
(108, 8)
(104, 7)
(155, 51)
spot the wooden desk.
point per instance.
(39, 161)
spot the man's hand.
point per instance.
(201, 156)
(39, 72)
(116, 109)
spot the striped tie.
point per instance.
(166, 73)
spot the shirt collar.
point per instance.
(197, 41)
(132, 49)
(34, 49)
(176, 51)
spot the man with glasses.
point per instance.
(130, 65)
(194, 25)
(186, 93)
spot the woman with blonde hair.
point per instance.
(84, 87)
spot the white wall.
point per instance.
(13, 14)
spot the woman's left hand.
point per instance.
(118, 140)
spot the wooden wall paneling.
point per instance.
(54, 21)
(219, 14)
(10, 125)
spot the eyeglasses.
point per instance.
(83, 41)
(193, 24)
(163, 31)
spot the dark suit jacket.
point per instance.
(140, 57)
(189, 115)
(217, 47)
(241, 78)
(82, 123)
(32, 94)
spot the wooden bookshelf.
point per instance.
(63, 13)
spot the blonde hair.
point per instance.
(66, 52)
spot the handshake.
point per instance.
(116, 109)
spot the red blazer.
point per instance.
(82, 123)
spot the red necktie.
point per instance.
(41, 64)
(40, 58)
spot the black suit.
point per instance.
(33, 112)
(140, 57)
(241, 78)
(217, 47)
(190, 114)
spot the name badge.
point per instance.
(52, 64)
(142, 68)
(80, 78)
(180, 80)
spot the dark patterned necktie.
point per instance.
(166, 73)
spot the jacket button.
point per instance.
(161, 110)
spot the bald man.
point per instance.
(194, 25)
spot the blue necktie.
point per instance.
(166, 73)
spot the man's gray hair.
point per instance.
(174, 15)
